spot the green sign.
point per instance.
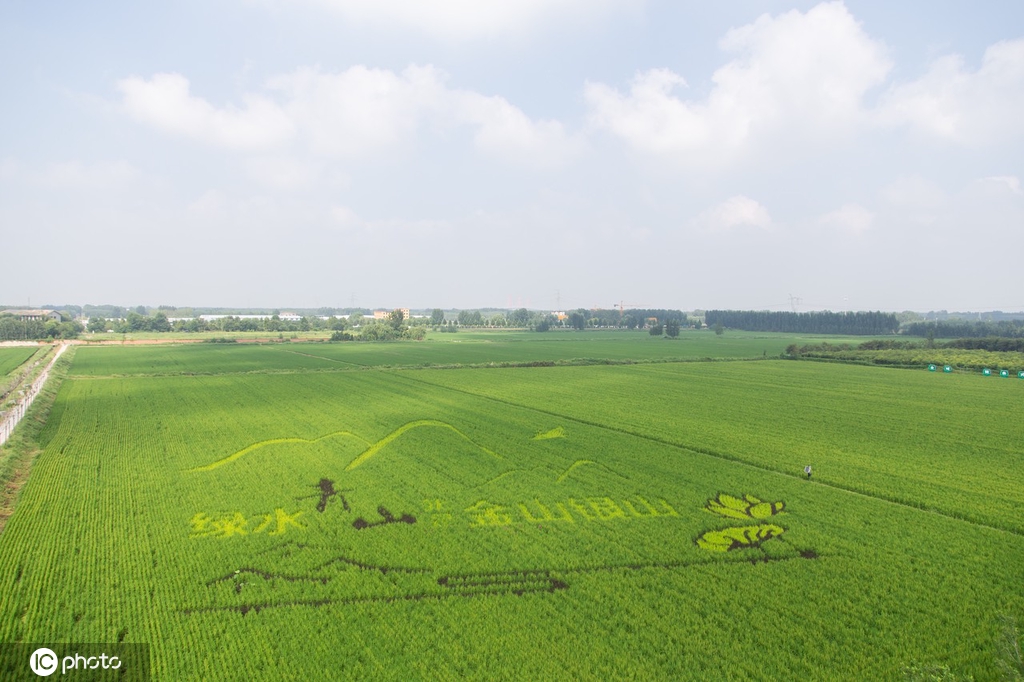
(987, 372)
(947, 369)
(1004, 372)
(931, 368)
(1020, 375)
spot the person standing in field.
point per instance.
(807, 470)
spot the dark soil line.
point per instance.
(266, 575)
(319, 357)
(348, 601)
(726, 457)
(518, 589)
(354, 367)
(370, 567)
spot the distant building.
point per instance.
(44, 315)
(383, 314)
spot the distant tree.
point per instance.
(672, 328)
(542, 326)
(395, 318)
(470, 318)
(140, 310)
(631, 321)
(577, 320)
(719, 329)
(71, 329)
(656, 330)
(417, 333)
(824, 322)
(437, 317)
(160, 323)
(337, 324)
(355, 319)
(137, 322)
(97, 324)
(519, 318)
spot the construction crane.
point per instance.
(622, 306)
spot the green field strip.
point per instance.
(14, 357)
(272, 441)
(734, 459)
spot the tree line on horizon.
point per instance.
(826, 322)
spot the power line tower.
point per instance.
(794, 301)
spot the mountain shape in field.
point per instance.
(557, 432)
(587, 473)
(371, 451)
(274, 441)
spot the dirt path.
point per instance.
(14, 415)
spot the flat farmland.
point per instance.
(633, 520)
(482, 347)
(197, 358)
(14, 357)
(463, 348)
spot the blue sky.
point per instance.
(469, 154)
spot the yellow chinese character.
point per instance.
(226, 527)
(201, 525)
(485, 513)
(432, 505)
(280, 521)
(545, 513)
(651, 510)
(605, 508)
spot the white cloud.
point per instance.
(359, 110)
(103, 175)
(915, 199)
(737, 211)
(164, 101)
(348, 220)
(914, 192)
(851, 218)
(472, 19)
(213, 205)
(504, 131)
(800, 73)
(1010, 183)
(353, 113)
(951, 102)
(73, 174)
(281, 172)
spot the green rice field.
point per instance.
(373, 511)
(13, 357)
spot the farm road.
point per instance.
(10, 420)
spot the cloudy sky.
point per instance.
(470, 153)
